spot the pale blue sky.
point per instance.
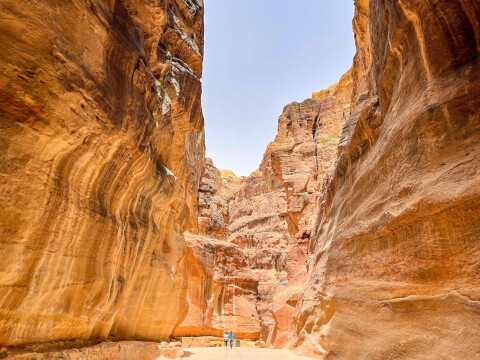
(261, 55)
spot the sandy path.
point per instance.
(239, 354)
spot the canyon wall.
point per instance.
(276, 203)
(102, 149)
(272, 214)
(222, 290)
(250, 280)
(396, 255)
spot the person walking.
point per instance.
(225, 338)
(231, 336)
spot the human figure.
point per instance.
(231, 336)
(225, 338)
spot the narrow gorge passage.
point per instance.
(357, 238)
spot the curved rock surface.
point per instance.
(101, 145)
(395, 269)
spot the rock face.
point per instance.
(277, 201)
(102, 146)
(395, 269)
(217, 188)
(222, 290)
(272, 215)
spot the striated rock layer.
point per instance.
(222, 290)
(395, 272)
(102, 146)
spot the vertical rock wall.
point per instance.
(277, 201)
(102, 146)
(395, 271)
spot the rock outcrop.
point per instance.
(222, 290)
(102, 146)
(217, 188)
(396, 255)
(272, 214)
(277, 202)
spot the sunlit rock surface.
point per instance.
(217, 188)
(102, 149)
(396, 253)
(277, 201)
(370, 185)
(222, 290)
(272, 214)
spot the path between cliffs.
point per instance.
(216, 353)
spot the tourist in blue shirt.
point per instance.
(232, 336)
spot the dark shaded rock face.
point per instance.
(396, 255)
(102, 147)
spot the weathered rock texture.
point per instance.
(102, 147)
(217, 188)
(396, 266)
(277, 201)
(222, 290)
(271, 216)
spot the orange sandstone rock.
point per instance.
(217, 188)
(101, 144)
(394, 272)
(272, 215)
(109, 350)
(222, 291)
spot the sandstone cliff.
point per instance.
(272, 215)
(222, 290)
(102, 147)
(396, 255)
(276, 202)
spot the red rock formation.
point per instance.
(222, 290)
(101, 131)
(395, 271)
